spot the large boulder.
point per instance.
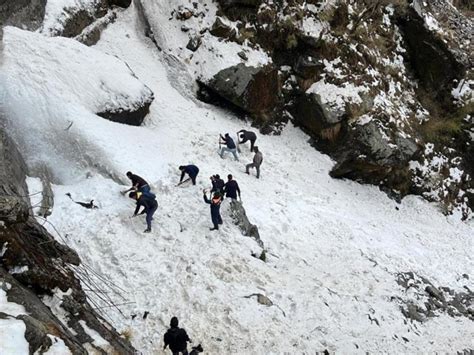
(376, 156)
(255, 90)
(316, 117)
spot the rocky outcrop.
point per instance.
(376, 158)
(240, 218)
(429, 301)
(436, 59)
(86, 20)
(254, 90)
(133, 116)
(35, 265)
(28, 14)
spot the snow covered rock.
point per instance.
(73, 18)
(221, 29)
(27, 14)
(82, 76)
(240, 218)
(255, 90)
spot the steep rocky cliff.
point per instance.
(34, 267)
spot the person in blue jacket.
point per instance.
(149, 203)
(215, 203)
(230, 146)
(191, 170)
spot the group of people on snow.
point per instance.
(140, 189)
(177, 338)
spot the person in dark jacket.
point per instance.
(230, 146)
(215, 203)
(247, 136)
(148, 201)
(217, 184)
(191, 170)
(257, 161)
(176, 338)
(138, 183)
(231, 188)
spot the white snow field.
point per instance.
(334, 247)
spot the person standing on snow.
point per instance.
(257, 161)
(149, 203)
(247, 136)
(215, 203)
(231, 188)
(191, 170)
(230, 146)
(217, 184)
(176, 338)
(138, 183)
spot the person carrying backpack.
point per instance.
(257, 161)
(191, 170)
(247, 136)
(176, 338)
(230, 146)
(215, 203)
(231, 188)
(149, 203)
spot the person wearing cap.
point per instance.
(176, 338)
(230, 146)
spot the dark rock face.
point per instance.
(373, 158)
(120, 3)
(220, 29)
(34, 264)
(133, 116)
(254, 90)
(248, 3)
(435, 65)
(194, 43)
(27, 14)
(315, 117)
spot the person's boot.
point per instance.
(148, 230)
(215, 228)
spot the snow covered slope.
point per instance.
(334, 247)
(74, 82)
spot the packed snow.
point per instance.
(12, 330)
(334, 247)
